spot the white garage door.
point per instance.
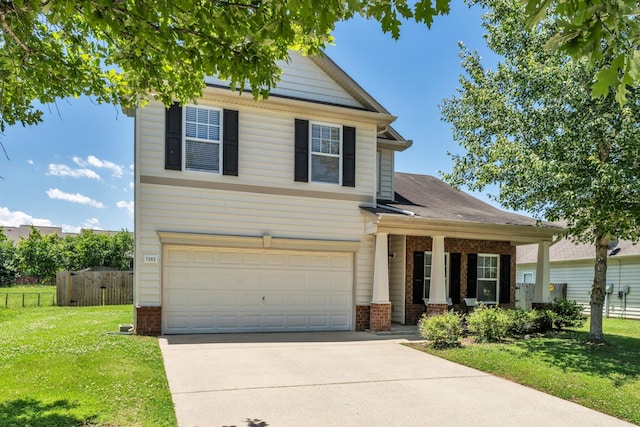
(238, 290)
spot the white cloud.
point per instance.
(30, 161)
(55, 193)
(116, 170)
(131, 185)
(89, 224)
(71, 228)
(92, 224)
(14, 219)
(64, 170)
(126, 205)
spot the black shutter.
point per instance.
(230, 143)
(301, 166)
(472, 275)
(418, 277)
(505, 279)
(348, 156)
(454, 277)
(173, 138)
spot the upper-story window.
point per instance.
(325, 152)
(203, 138)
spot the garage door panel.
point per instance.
(228, 290)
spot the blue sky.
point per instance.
(75, 170)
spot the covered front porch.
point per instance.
(426, 265)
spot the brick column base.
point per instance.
(362, 317)
(380, 317)
(148, 321)
(435, 309)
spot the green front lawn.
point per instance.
(64, 366)
(29, 295)
(603, 377)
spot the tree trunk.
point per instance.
(598, 289)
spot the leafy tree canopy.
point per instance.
(532, 127)
(597, 30)
(122, 52)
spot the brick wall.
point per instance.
(463, 247)
(148, 321)
(362, 317)
(380, 319)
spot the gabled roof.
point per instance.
(566, 250)
(429, 197)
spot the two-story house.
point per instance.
(286, 215)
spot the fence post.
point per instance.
(39, 299)
(23, 299)
(6, 299)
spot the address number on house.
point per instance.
(150, 259)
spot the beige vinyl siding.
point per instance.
(578, 275)
(303, 79)
(386, 174)
(183, 209)
(266, 150)
(397, 267)
(364, 260)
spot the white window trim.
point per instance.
(497, 279)
(312, 153)
(184, 139)
(533, 276)
(447, 259)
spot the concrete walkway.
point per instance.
(345, 379)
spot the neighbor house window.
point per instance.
(326, 149)
(488, 278)
(202, 137)
(427, 272)
(527, 277)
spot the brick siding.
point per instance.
(380, 317)
(148, 321)
(362, 317)
(463, 247)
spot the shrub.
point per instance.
(543, 320)
(520, 322)
(488, 323)
(443, 330)
(567, 314)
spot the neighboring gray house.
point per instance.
(573, 265)
(286, 215)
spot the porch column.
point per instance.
(380, 313)
(438, 289)
(542, 294)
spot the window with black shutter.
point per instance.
(201, 138)
(418, 277)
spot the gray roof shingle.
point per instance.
(430, 197)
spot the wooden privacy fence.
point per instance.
(85, 288)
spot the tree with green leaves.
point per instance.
(40, 256)
(8, 258)
(606, 33)
(125, 52)
(532, 127)
(91, 249)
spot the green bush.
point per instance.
(443, 330)
(566, 314)
(488, 323)
(543, 320)
(521, 322)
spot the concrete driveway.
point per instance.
(345, 379)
